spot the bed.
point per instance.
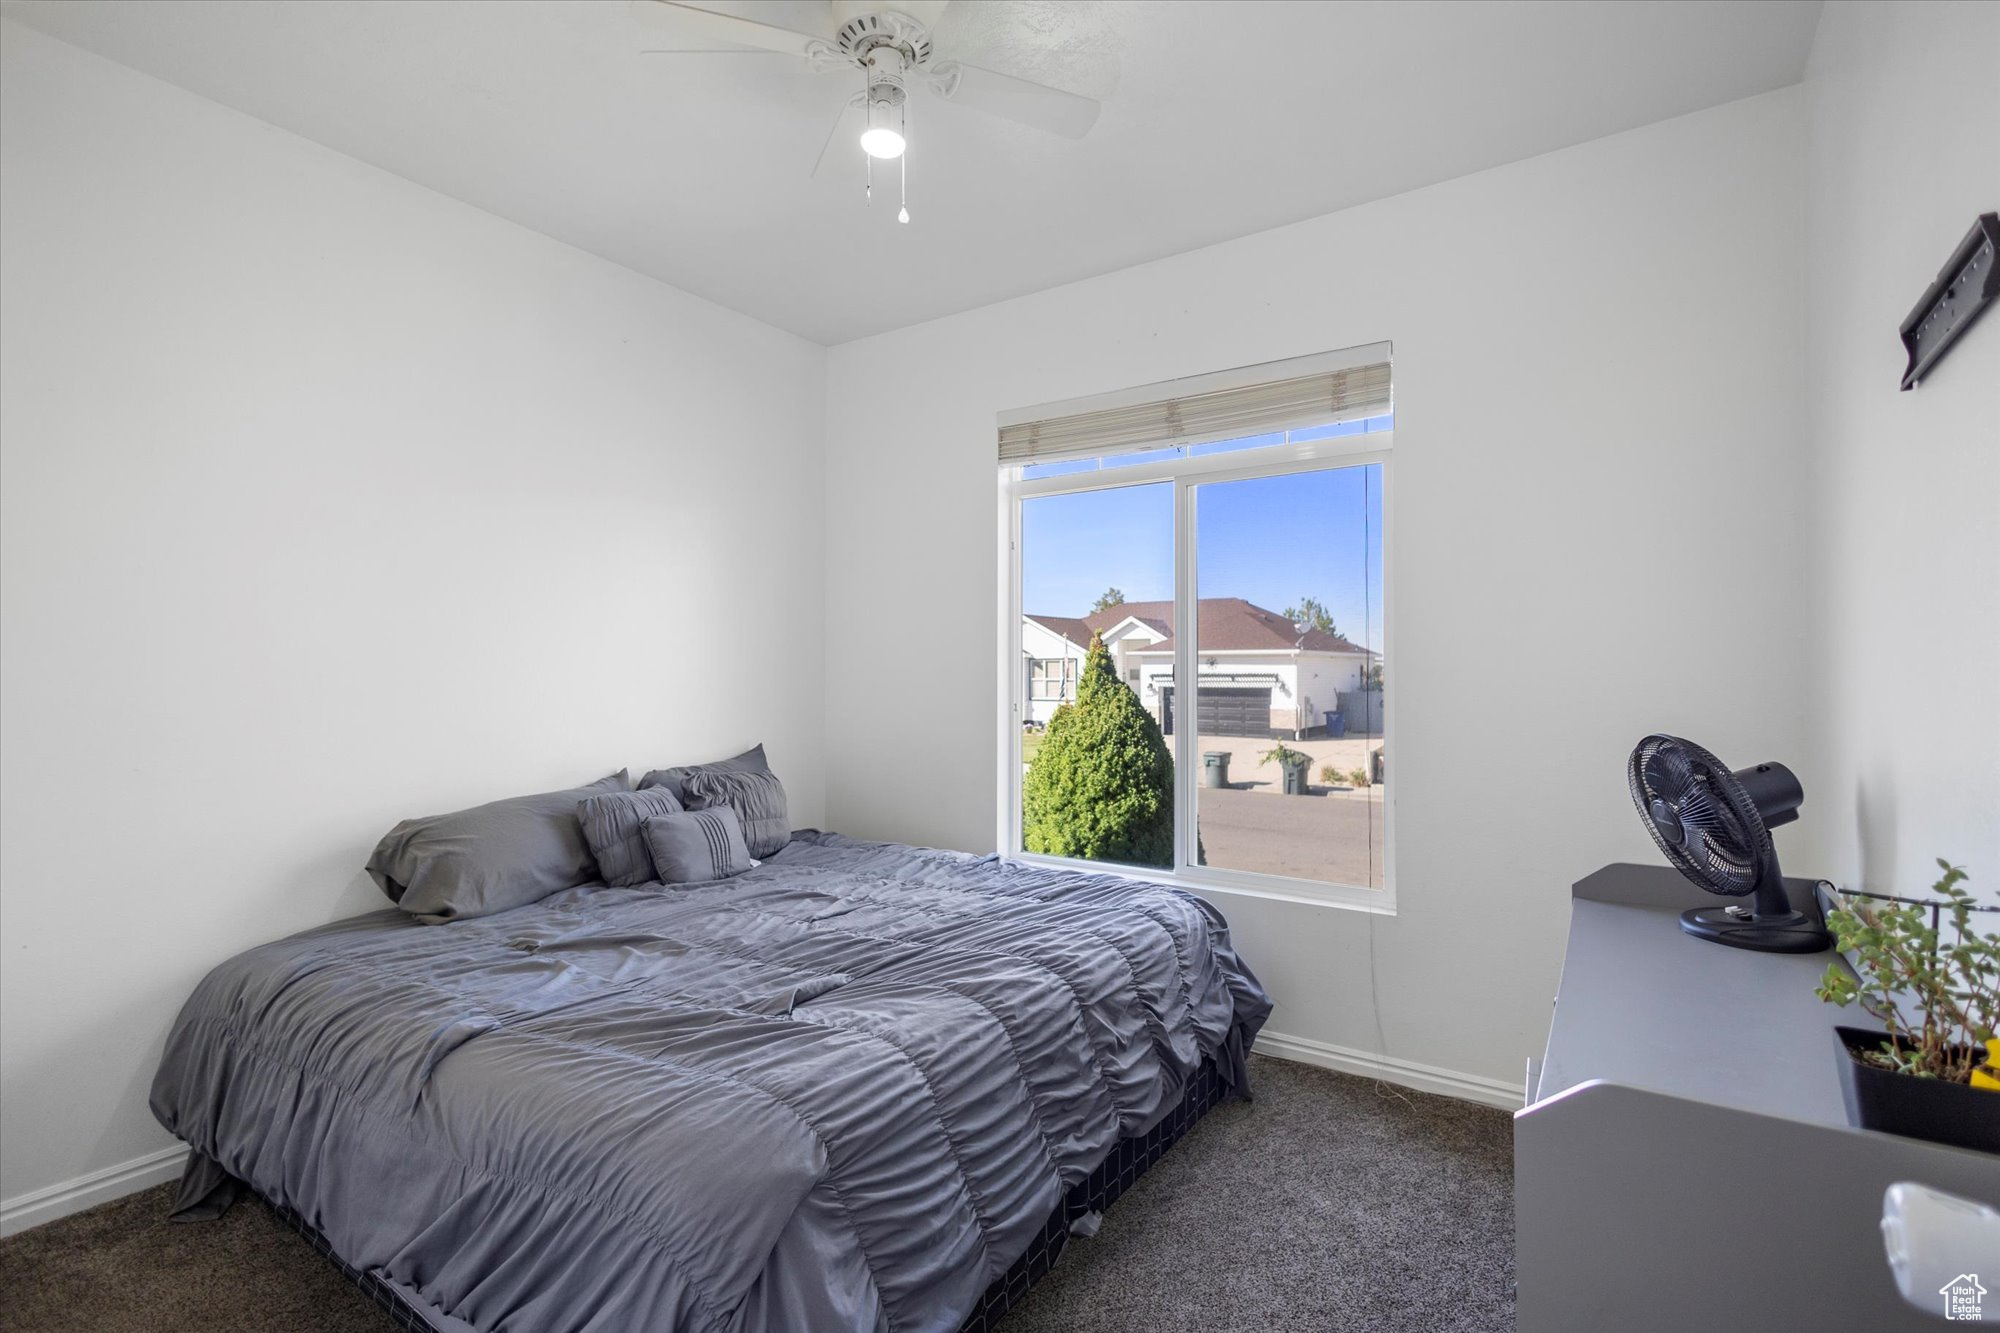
(863, 1086)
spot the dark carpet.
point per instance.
(1329, 1204)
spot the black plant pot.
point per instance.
(1918, 1108)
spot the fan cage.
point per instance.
(1733, 845)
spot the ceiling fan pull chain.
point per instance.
(869, 189)
(903, 166)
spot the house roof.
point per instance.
(1076, 630)
(1228, 624)
(1112, 620)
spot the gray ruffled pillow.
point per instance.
(611, 827)
(757, 798)
(675, 779)
(492, 857)
(697, 845)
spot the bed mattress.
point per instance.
(847, 1090)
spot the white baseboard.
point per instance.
(1404, 1073)
(87, 1191)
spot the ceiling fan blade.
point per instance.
(707, 51)
(843, 118)
(1034, 104)
(693, 21)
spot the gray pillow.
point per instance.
(492, 857)
(674, 779)
(757, 798)
(697, 845)
(611, 827)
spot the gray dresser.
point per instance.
(1684, 1161)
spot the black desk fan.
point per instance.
(1715, 828)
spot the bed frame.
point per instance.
(1093, 1194)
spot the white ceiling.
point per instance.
(1220, 119)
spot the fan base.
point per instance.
(1789, 932)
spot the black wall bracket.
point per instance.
(1965, 286)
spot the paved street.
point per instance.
(1331, 835)
(1335, 836)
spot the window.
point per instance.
(1052, 678)
(1237, 730)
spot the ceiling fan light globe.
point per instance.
(879, 141)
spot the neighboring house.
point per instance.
(1053, 648)
(1259, 675)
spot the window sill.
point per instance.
(1375, 902)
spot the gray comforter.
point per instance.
(842, 1091)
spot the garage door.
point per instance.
(1233, 711)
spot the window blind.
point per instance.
(1199, 411)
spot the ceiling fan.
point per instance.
(891, 48)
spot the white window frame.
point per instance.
(1065, 679)
(1186, 473)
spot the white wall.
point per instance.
(328, 501)
(1905, 534)
(1597, 380)
(1321, 680)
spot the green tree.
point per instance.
(1101, 784)
(1312, 613)
(1109, 598)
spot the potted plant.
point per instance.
(1293, 763)
(1933, 983)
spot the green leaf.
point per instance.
(1945, 983)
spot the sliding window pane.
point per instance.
(1097, 772)
(1288, 691)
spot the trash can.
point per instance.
(1215, 768)
(1375, 762)
(1295, 774)
(1336, 724)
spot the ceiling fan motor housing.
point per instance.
(884, 30)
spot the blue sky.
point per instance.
(1270, 541)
